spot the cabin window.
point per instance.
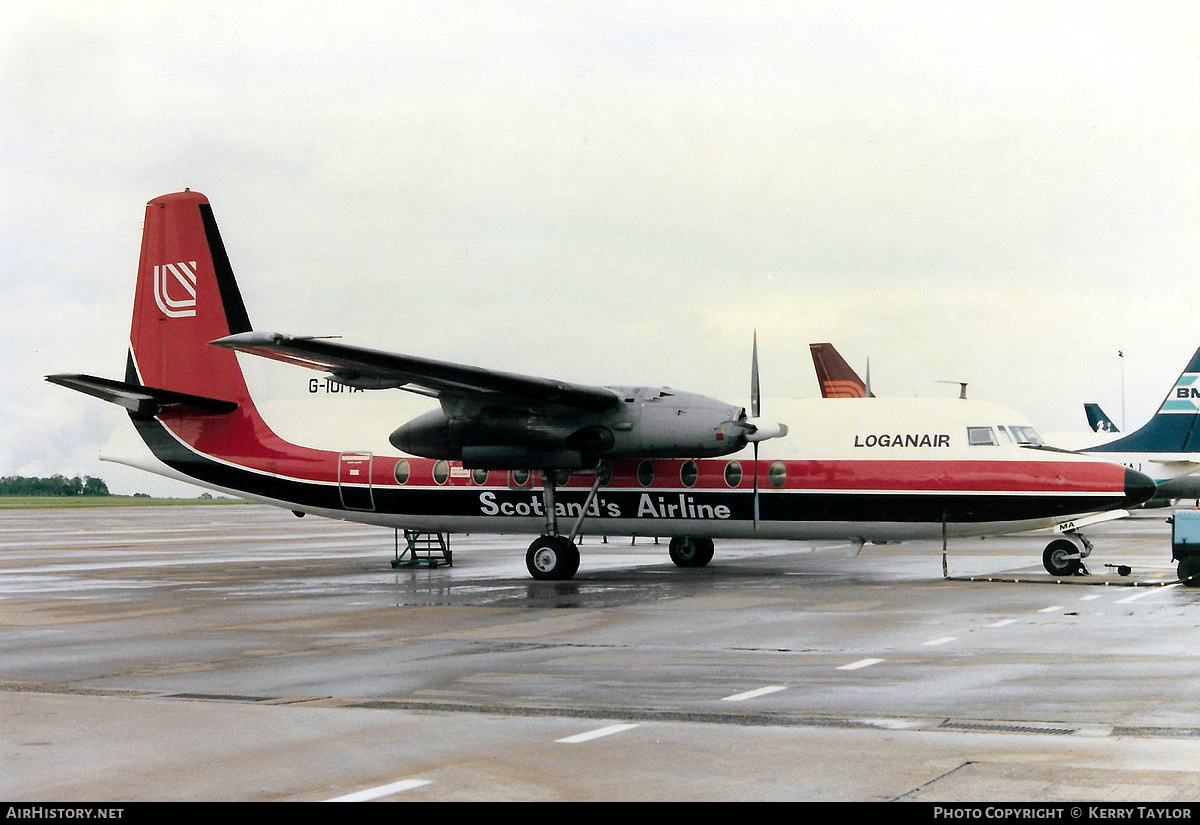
(519, 478)
(479, 475)
(403, 471)
(605, 473)
(981, 436)
(733, 474)
(441, 471)
(645, 473)
(561, 477)
(688, 473)
(777, 474)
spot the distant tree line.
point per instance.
(53, 486)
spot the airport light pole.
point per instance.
(1121, 355)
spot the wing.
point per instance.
(374, 369)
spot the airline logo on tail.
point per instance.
(180, 279)
(1185, 395)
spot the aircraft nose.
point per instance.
(1138, 487)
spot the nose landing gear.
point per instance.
(1064, 556)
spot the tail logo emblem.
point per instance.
(1185, 396)
(180, 279)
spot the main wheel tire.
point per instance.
(691, 552)
(1189, 571)
(552, 558)
(1056, 558)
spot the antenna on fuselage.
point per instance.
(962, 387)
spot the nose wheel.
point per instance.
(1064, 557)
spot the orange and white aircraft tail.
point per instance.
(837, 378)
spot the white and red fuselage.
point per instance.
(871, 470)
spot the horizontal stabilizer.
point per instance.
(139, 399)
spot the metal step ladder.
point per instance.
(428, 549)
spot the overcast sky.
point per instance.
(1002, 193)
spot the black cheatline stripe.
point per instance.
(654, 505)
(167, 449)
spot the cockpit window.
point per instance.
(1025, 435)
(977, 436)
(1004, 435)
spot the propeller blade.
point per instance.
(755, 411)
(754, 388)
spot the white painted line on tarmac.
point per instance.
(1051, 608)
(1003, 623)
(753, 694)
(940, 641)
(596, 734)
(860, 664)
(1149, 592)
(382, 790)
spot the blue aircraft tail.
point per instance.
(1098, 420)
(1175, 428)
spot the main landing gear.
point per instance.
(1064, 556)
(552, 557)
(691, 552)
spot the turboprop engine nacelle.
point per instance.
(648, 423)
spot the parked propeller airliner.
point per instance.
(1166, 448)
(506, 453)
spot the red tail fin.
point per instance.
(837, 378)
(186, 296)
(187, 399)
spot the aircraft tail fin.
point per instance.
(1175, 428)
(837, 378)
(1098, 420)
(188, 400)
(186, 297)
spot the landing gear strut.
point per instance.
(552, 557)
